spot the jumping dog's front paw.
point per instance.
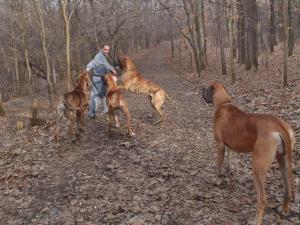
(217, 181)
(252, 222)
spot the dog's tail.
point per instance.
(170, 99)
(60, 112)
(288, 140)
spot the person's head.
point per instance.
(105, 49)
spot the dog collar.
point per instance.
(226, 103)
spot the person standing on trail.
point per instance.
(100, 67)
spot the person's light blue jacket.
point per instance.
(100, 65)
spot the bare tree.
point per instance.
(291, 27)
(14, 48)
(219, 18)
(67, 17)
(241, 34)
(42, 30)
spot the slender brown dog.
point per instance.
(134, 82)
(266, 136)
(117, 100)
(74, 104)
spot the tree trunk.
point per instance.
(280, 20)
(251, 23)
(241, 33)
(5, 60)
(204, 58)
(219, 17)
(272, 29)
(285, 41)
(68, 78)
(15, 54)
(172, 34)
(38, 9)
(196, 9)
(179, 51)
(231, 15)
(26, 55)
(2, 111)
(192, 42)
(16, 67)
(290, 28)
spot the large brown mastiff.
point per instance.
(134, 82)
(265, 136)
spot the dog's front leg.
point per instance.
(82, 122)
(121, 87)
(72, 118)
(220, 162)
(220, 157)
(111, 119)
(128, 120)
(125, 85)
(228, 166)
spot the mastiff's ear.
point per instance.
(120, 62)
(208, 93)
(116, 62)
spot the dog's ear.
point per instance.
(121, 62)
(78, 79)
(208, 93)
(115, 79)
(88, 81)
(106, 78)
(123, 59)
(116, 62)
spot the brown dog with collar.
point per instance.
(117, 100)
(74, 104)
(265, 136)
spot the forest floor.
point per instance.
(165, 174)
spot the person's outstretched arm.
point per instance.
(108, 65)
(91, 65)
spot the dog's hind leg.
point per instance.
(60, 113)
(116, 121)
(78, 122)
(128, 119)
(81, 113)
(152, 115)
(281, 158)
(263, 155)
(229, 156)
(157, 102)
(161, 115)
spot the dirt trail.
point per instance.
(161, 176)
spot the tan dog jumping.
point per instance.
(265, 136)
(134, 82)
(117, 100)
